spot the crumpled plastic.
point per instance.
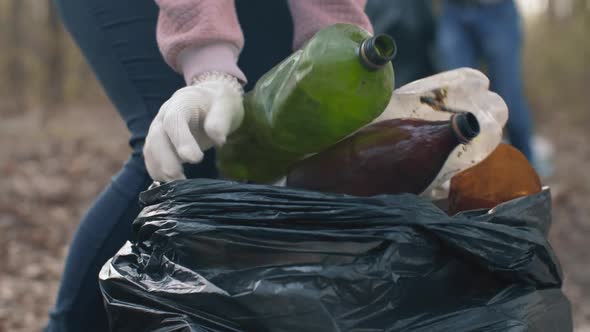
(212, 255)
(437, 98)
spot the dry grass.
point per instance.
(49, 176)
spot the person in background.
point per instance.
(203, 53)
(475, 32)
(411, 23)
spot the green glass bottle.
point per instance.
(338, 82)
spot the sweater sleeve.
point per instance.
(310, 16)
(198, 36)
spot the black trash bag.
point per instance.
(212, 255)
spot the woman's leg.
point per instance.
(118, 40)
(456, 46)
(500, 32)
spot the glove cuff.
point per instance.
(218, 76)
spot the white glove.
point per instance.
(437, 97)
(193, 120)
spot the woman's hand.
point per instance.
(193, 120)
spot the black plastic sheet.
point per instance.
(213, 255)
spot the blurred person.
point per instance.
(411, 23)
(474, 31)
(200, 59)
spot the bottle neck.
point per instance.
(465, 127)
(377, 51)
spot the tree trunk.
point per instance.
(55, 72)
(16, 66)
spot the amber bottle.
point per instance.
(504, 175)
(388, 157)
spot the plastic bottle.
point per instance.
(505, 175)
(387, 157)
(440, 96)
(338, 82)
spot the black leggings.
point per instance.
(117, 38)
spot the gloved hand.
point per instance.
(193, 120)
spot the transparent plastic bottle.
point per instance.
(440, 96)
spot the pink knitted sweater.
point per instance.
(197, 36)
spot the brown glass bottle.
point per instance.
(504, 175)
(388, 157)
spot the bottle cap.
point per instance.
(377, 51)
(465, 126)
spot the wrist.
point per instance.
(219, 57)
(217, 76)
